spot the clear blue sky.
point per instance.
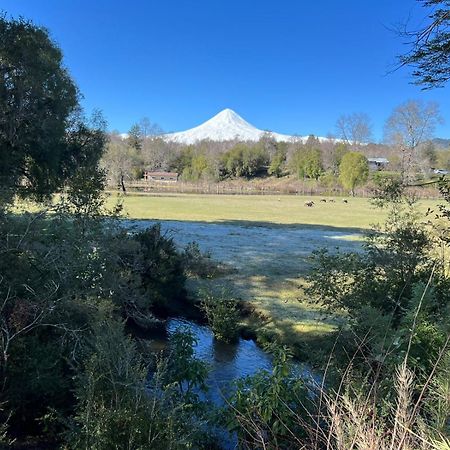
(288, 65)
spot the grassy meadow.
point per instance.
(255, 209)
(260, 240)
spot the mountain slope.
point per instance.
(225, 126)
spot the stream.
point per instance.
(227, 362)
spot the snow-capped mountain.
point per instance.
(225, 126)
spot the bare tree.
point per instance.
(149, 129)
(355, 128)
(410, 125)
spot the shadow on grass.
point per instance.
(270, 261)
(256, 224)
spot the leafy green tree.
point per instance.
(245, 160)
(42, 134)
(263, 407)
(197, 168)
(338, 152)
(353, 170)
(307, 162)
(278, 160)
(119, 408)
(135, 138)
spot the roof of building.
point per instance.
(378, 160)
(161, 174)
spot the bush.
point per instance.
(116, 409)
(197, 263)
(223, 315)
(264, 407)
(150, 275)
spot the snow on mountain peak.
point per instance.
(227, 125)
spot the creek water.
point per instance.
(226, 362)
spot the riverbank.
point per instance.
(267, 266)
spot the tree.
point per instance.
(354, 128)
(120, 161)
(338, 153)
(429, 54)
(278, 160)
(353, 171)
(411, 124)
(307, 162)
(43, 135)
(243, 160)
(134, 139)
(149, 129)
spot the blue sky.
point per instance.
(290, 66)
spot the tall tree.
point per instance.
(43, 137)
(353, 170)
(429, 52)
(409, 125)
(134, 139)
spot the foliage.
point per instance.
(117, 409)
(134, 139)
(263, 408)
(149, 275)
(278, 161)
(44, 139)
(223, 315)
(429, 53)
(245, 160)
(183, 371)
(307, 162)
(353, 170)
(338, 153)
(197, 263)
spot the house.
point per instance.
(441, 171)
(377, 163)
(171, 177)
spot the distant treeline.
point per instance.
(323, 162)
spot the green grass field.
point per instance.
(271, 281)
(257, 209)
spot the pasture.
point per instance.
(256, 209)
(267, 241)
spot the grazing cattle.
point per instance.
(309, 204)
(345, 200)
(324, 200)
(332, 201)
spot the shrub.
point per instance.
(223, 315)
(117, 410)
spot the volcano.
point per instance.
(225, 126)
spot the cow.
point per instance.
(345, 200)
(309, 204)
(324, 200)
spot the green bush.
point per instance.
(223, 315)
(117, 408)
(264, 407)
